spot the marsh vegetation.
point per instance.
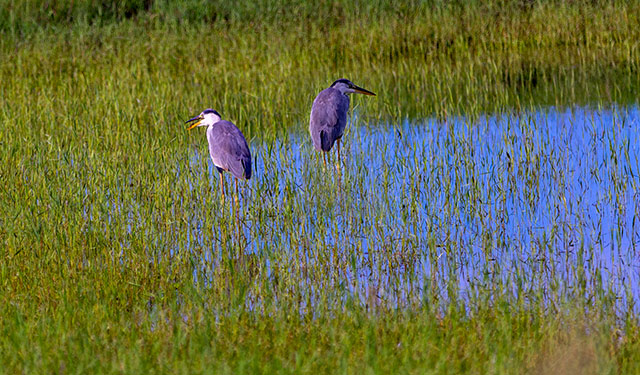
(484, 219)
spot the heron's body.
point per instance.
(329, 114)
(227, 146)
(229, 150)
(328, 118)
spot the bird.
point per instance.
(227, 146)
(329, 115)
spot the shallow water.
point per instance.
(537, 205)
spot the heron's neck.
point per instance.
(214, 121)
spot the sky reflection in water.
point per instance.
(534, 202)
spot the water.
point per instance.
(536, 206)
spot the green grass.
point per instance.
(162, 341)
(110, 263)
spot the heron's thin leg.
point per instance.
(324, 158)
(236, 197)
(338, 166)
(221, 185)
(236, 210)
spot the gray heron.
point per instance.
(329, 115)
(227, 146)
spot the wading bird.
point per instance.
(329, 115)
(227, 146)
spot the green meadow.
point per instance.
(119, 255)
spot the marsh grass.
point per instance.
(119, 256)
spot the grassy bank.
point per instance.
(118, 256)
(440, 60)
(502, 340)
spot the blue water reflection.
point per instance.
(536, 205)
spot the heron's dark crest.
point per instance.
(341, 80)
(209, 110)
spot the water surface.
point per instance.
(537, 205)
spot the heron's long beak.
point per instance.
(360, 90)
(197, 122)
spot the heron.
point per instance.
(329, 115)
(227, 146)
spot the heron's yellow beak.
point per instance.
(197, 119)
(360, 90)
(195, 124)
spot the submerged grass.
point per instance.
(119, 256)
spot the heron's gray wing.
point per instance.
(328, 118)
(229, 150)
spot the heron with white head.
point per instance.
(329, 115)
(227, 146)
